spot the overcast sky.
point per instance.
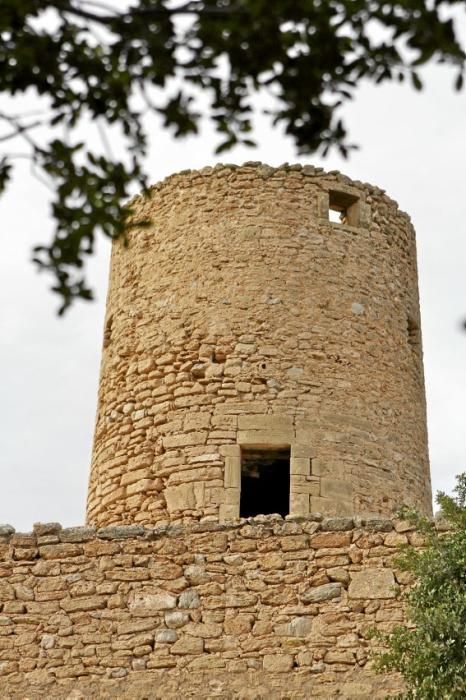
(412, 144)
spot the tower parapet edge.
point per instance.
(254, 347)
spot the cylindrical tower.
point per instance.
(260, 357)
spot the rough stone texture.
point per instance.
(199, 611)
(242, 315)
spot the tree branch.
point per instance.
(189, 8)
(19, 129)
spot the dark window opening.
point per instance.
(413, 332)
(265, 481)
(108, 331)
(343, 208)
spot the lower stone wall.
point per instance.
(263, 607)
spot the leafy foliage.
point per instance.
(432, 656)
(111, 62)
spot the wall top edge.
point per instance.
(326, 178)
(54, 533)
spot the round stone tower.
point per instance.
(262, 353)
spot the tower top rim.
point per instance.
(328, 178)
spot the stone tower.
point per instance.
(259, 355)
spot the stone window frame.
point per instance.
(302, 483)
(343, 197)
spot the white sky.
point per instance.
(412, 144)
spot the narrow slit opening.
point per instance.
(413, 332)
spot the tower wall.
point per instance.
(242, 317)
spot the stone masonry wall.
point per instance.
(265, 607)
(243, 316)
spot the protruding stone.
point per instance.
(189, 599)
(337, 524)
(321, 593)
(42, 529)
(120, 532)
(379, 524)
(166, 637)
(77, 534)
(6, 530)
(175, 619)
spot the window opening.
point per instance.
(413, 333)
(265, 481)
(336, 216)
(343, 208)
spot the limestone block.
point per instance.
(133, 626)
(213, 496)
(320, 505)
(338, 573)
(278, 663)
(60, 551)
(166, 637)
(214, 370)
(22, 592)
(334, 488)
(337, 524)
(82, 604)
(185, 439)
(231, 497)
(395, 539)
(331, 539)
(206, 458)
(323, 466)
(269, 422)
(294, 373)
(189, 599)
(239, 624)
(199, 494)
(188, 645)
(294, 542)
(175, 619)
(319, 594)
(240, 599)
(230, 451)
(13, 608)
(146, 602)
(297, 627)
(77, 534)
(180, 497)
(300, 450)
(300, 465)
(204, 629)
(305, 436)
(228, 512)
(232, 478)
(245, 348)
(339, 657)
(265, 437)
(7, 592)
(113, 496)
(166, 570)
(299, 503)
(140, 486)
(196, 421)
(302, 484)
(372, 584)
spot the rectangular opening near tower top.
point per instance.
(343, 208)
(265, 481)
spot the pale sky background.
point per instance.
(412, 144)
